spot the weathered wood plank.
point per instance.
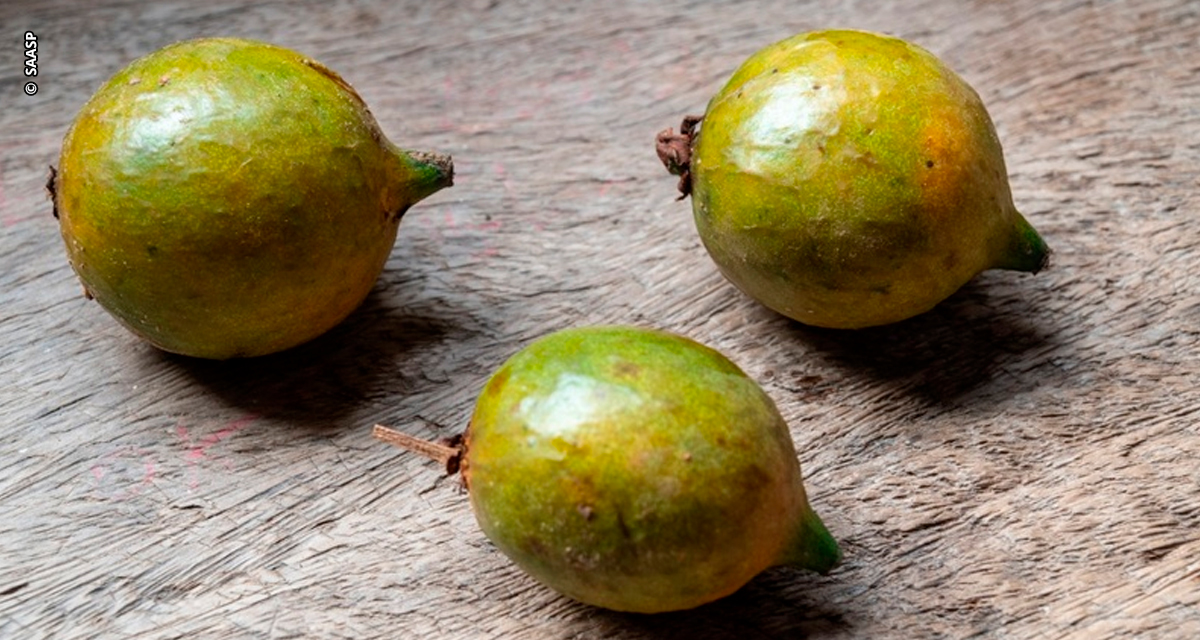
(1019, 462)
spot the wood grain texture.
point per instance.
(1020, 462)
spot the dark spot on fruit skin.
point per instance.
(496, 385)
(536, 547)
(152, 250)
(752, 481)
(626, 369)
(624, 527)
(929, 164)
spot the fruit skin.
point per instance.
(224, 197)
(637, 470)
(848, 179)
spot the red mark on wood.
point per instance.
(123, 473)
(199, 450)
(502, 173)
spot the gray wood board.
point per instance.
(1019, 462)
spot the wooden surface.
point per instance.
(1021, 462)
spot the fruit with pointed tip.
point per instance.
(848, 179)
(225, 197)
(637, 470)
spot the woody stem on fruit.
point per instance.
(448, 452)
(675, 152)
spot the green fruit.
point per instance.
(638, 471)
(848, 179)
(224, 197)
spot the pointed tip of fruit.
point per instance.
(440, 166)
(419, 174)
(1027, 251)
(813, 547)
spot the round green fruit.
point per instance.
(638, 471)
(847, 179)
(224, 197)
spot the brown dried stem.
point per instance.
(447, 452)
(675, 152)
